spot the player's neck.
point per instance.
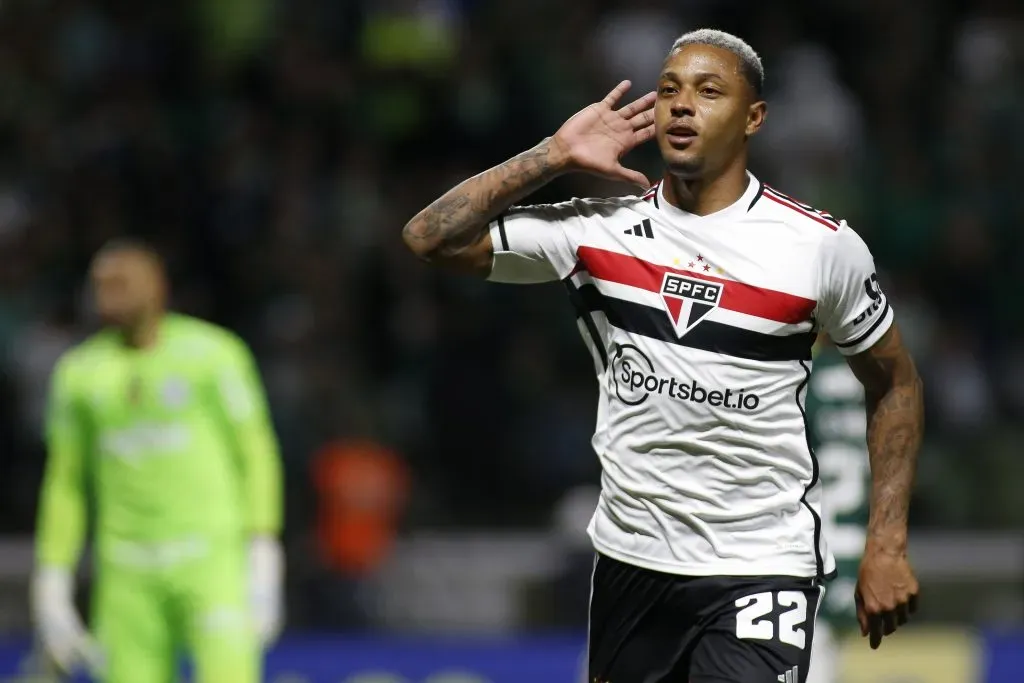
(706, 195)
(144, 334)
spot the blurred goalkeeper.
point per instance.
(160, 419)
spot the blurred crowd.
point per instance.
(273, 151)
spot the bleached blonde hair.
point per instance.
(750, 62)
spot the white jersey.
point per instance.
(701, 328)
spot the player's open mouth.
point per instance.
(680, 136)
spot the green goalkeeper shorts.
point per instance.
(155, 602)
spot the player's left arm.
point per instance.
(243, 405)
(858, 317)
(250, 429)
(887, 590)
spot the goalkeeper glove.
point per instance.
(63, 636)
(266, 573)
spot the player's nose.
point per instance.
(682, 104)
(682, 110)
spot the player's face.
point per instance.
(705, 111)
(127, 286)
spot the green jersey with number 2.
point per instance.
(837, 422)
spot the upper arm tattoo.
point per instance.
(884, 365)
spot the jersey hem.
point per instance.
(709, 568)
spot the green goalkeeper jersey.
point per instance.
(173, 441)
(837, 422)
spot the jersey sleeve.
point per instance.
(535, 243)
(61, 524)
(243, 405)
(852, 308)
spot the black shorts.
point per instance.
(650, 627)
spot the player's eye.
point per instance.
(667, 90)
(709, 91)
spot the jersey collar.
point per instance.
(738, 208)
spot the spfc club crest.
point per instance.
(688, 300)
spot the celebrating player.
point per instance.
(700, 300)
(162, 419)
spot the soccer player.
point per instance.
(835, 417)
(160, 421)
(700, 299)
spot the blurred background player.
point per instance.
(160, 421)
(837, 430)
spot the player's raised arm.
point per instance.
(860, 321)
(453, 231)
(244, 407)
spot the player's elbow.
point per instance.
(424, 246)
(463, 257)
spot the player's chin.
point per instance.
(685, 165)
(113, 318)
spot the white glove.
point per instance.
(266, 573)
(60, 629)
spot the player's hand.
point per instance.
(886, 593)
(596, 138)
(60, 629)
(266, 567)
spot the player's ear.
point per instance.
(756, 115)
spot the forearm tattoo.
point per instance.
(461, 216)
(895, 413)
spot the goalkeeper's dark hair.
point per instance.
(133, 245)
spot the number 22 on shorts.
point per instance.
(754, 621)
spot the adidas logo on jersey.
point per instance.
(641, 229)
(791, 676)
(688, 300)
